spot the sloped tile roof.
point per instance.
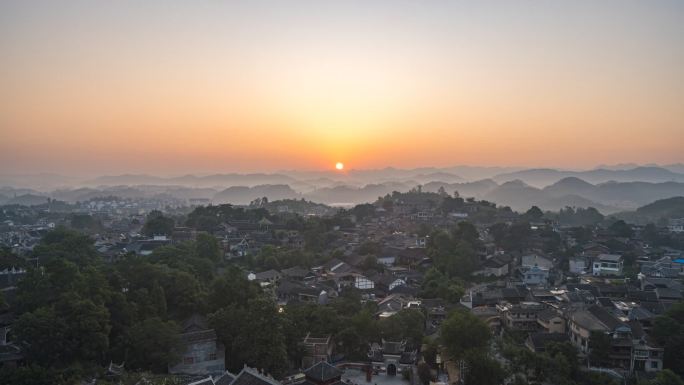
(322, 372)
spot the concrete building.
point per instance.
(578, 265)
(317, 349)
(607, 264)
(551, 321)
(522, 316)
(201, 353)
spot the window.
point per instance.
(211, 356)
(654, 364)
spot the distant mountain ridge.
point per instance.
(607, 197)
(547, 176)
(467, 189)
(658, 212)
(27, 200)
(194, 180)
(613, 190)
(311, 180)
(243, 195)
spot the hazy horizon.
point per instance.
(346, 171)
(184, 87)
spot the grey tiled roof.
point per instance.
(605, 317)
(539, 340)
(547, 314)
(408, 358)
(393, 347)
(587, 320)
(322, 372)
(249, 376)
(204, 381)
(667, 293)
(204, 335)
(225, 379)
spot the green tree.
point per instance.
(599, 347)
(534, 214)
(364, 324)
(230, 322)
(184, 294)
(620, 228)
(64, 321)
(569, 358)
(350, 343)
(33, 375)
(668, 330)
(667, 377)
(69, 245)
(454, 254)
(232, 288)
(371, 263)
(9, 260)
(462, 332)
(44, 333)
(451, 204)
(513, 237)
(348, 302)
(430, 351)
(519, 379)
(157, 224)
(369, 247)
(206, 246)
(425, 373)
(363, 211)
(152, 344)
(122, 317)
(184, 257)
(467, 232)
(518, 236)
(499, 231)
(36, 288)
(437, 285)
(158, 300)
(253, 336)
(88, 327)
(650, 234)
(85, 222)
(483, 370)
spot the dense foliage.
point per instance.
(668, 330)
(76, 314)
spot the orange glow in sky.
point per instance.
(223, 86)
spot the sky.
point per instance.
(174, 87)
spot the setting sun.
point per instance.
(339, 165)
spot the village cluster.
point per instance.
(533, 278)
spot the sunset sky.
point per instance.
(173, 87)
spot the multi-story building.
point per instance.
(202, 353)
(607, 264)
(676, 225)
(522, 316)
(551, 321)
(317, 349)
(647, 356)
